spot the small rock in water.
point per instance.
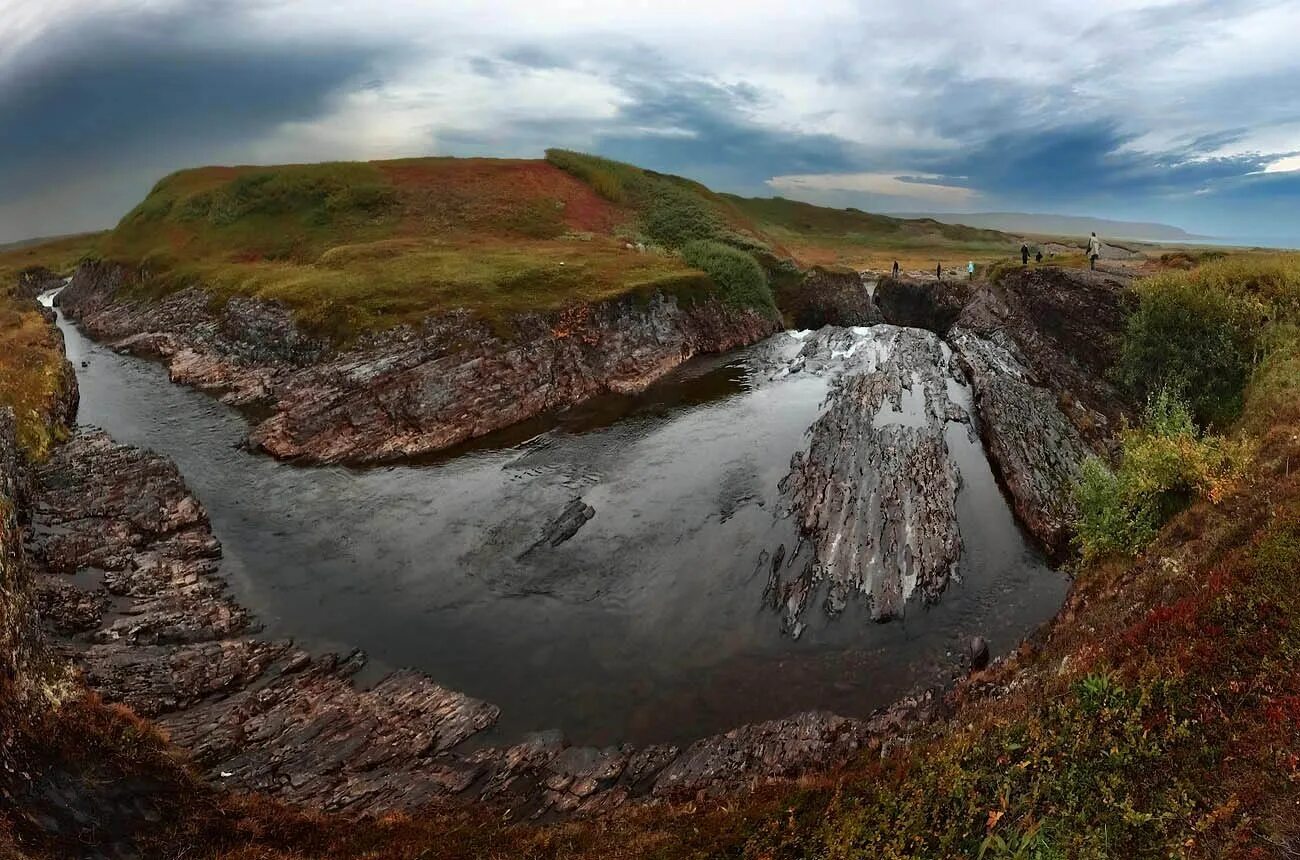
(978, 652)
(85, 364)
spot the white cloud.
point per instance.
(916, 187)
(1289, 164)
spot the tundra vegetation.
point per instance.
(31, 361)
(357, 247)
(1159, 716)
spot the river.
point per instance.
(648, 625)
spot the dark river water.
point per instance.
(648, 625)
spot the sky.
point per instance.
(1180, 111)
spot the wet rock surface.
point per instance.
(1037, 347)
(1038, 451)
(875, 493)
(409, 390)
(130, 586)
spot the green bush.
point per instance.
(738, 276)
(1163, 467)
(1193, 340)
(673, 211)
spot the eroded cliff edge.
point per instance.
(408, 390)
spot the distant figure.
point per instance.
(970, 270)
(894, 274)
(1094, 251)
(938, 272)
(1024, 255)
(1038, 258)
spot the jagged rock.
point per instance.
(314, 737)
(36, 280)
(875, 494)
(408, 390)
(931, 305)
(157, 679)
(776, 749)
(1066, 326)
(67, 609)
(1035, 448)
(155, 629)
(574, 516)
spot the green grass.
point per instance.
(32, 376)
(738, 275)
(352, 247)
(1201, 331)
(822, 235)
(671, 211)
(359, 247)
(1163, 467)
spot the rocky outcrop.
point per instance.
(129, 576)
(18, 625)
(1037, 346)
(928, 304)
(828, 296)
(36, 280)
(1036, 450)
(875, 494)
(409, 390)
(1066, 325)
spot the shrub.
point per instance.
(1193, 340)
(673, 211)
(738, 276)
(1163, 467)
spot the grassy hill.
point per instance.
(363, 246)
(31, 362)
(820, 235)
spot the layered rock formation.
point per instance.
(1066, 326)
(409, 390)
(129, 581)
(875, 494)
(1037, 346)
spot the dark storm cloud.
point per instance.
(1084, 161)
(704, 130)
(1115, 116)
(97, 109)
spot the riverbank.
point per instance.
(1159, 703)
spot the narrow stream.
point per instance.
(647, 625)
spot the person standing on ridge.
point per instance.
(1024, 254)
(1038, 258)
(938, 272)
(970, 270)
(1094, 251)
(894, 275)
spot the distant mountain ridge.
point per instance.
(1060, 225)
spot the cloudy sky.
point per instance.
(1183, 111)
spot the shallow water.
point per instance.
(648, 625)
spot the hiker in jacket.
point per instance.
(1024, 254)
(1094, 251)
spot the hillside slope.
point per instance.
(818, 234)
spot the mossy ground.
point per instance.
(1158, 717)
(356, 247)
(31, 354)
